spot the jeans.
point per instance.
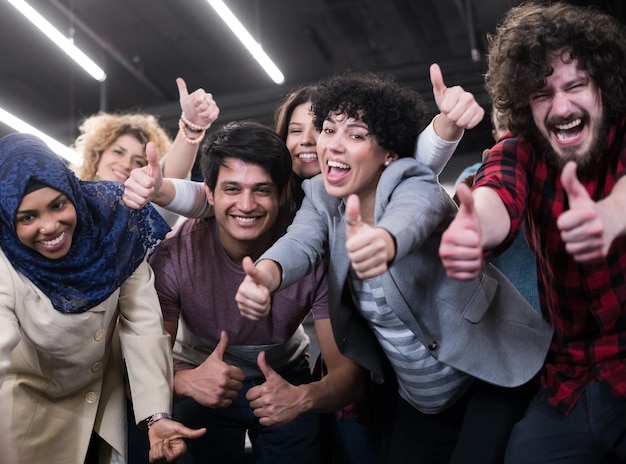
(474, 430)
(593, 432)
(295, 442)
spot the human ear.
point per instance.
(209, 195)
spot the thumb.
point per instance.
(151, 156)
(194, 433)
(466, 200)
(436, 79)
(251, 270)
(352, 213)
(187, 432)
(572, 186)
(182, 88)
(263, 366)
(220, 349)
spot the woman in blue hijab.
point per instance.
(76, 297)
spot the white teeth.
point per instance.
(56, 241)
(307, 156)
(245, 219)
(570, 125)
(562, 136)
(337, 164)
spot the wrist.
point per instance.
(190, 133)
(191, 126)
(165, 195)
(180, 384)
(157, 417)
(306, 397)
(446, 129)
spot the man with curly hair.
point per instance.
(557, 73)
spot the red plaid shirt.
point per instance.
(585, 303)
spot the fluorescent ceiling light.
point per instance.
(56, 146)
(59, 39)
(247, 40)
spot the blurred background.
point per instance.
(143, 45)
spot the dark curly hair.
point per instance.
(394, 114)
(520, 49)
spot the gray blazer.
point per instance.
(484, 327)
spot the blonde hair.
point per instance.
(99, 131)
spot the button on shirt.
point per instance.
(583, 302)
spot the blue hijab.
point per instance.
(110, 240)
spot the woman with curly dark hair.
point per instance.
(378, 213)
(558, 74)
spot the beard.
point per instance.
(585, 161)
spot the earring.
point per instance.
(387, 163)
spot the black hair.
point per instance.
(394, 114)
(250, 142)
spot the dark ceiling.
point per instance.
(143, 45)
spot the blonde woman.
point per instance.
(111, 145)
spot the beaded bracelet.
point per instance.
(183, 127)
(193, 127)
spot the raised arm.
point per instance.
(458, 110)
(199, 109)
(145, 185)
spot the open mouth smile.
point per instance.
(568, 132)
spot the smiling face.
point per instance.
(246, 203)
(352, 160)
(301, 142)
(568, 113)
(121, 157)
(45, 221)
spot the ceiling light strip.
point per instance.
(247, 40)
(60, 40)
(20, 126)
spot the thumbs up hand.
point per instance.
(370, 249)
(587, 228)
(213, 383)
(253, 296)
(198, 106)
(461, 246)
(459, 108)
(144, 183)
(276, 401)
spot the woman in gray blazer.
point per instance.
(380, 214)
